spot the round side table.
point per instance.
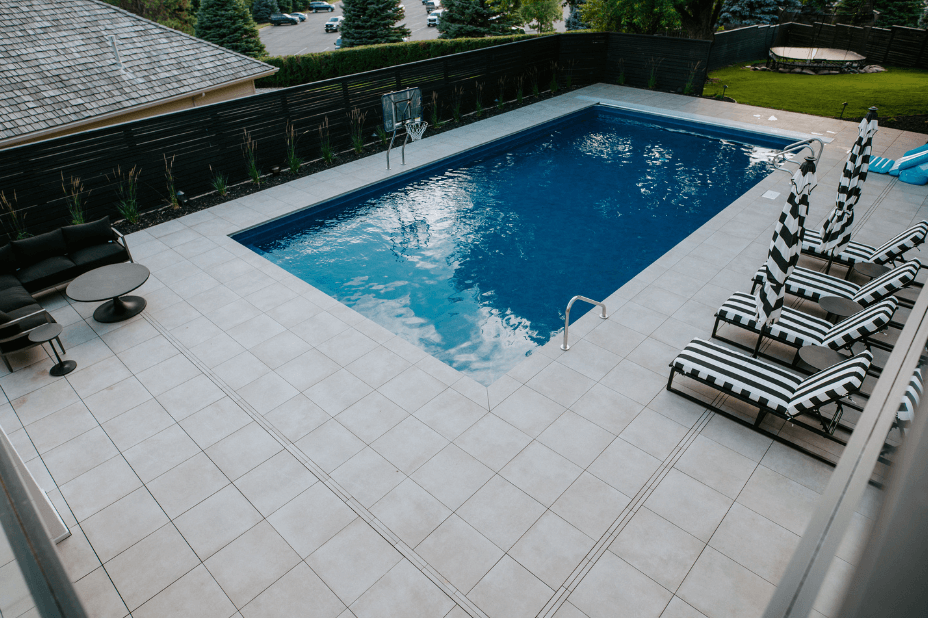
(869, 269)
(48, 333)
(839, 307)
(819, 357)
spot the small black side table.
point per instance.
(871, 270)
(838, 307)
(820, 357)
(48, 333)
(111, 282)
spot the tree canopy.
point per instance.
(475, 19)
(739, 13)
(177, 14)
(262, 10)
(369, 22)
(898, 12)
(540, 14)
(229, 24)
(635, 16)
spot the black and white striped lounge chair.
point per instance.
(798, 329)
(889, 252)
(906, 411)
(813, 285)
(771, 388)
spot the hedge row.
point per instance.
(308, 68)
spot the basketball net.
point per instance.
(416, 129)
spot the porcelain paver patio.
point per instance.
(278, 450)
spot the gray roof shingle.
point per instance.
(57, 65)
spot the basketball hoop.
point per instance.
(416, 129)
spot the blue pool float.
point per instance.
(881, 165)
(914, 157)
(917, 175)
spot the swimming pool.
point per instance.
(474, 258)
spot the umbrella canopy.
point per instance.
(785, 245)
(836, 232)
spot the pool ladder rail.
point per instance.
(602, 315)
(781, 158)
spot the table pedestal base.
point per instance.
(62, 368)
(119, 309)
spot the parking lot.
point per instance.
(310, 36)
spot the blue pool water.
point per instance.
(474, 259)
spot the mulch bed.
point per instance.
(915, 124)
(167, 213)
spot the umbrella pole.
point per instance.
(760, 339)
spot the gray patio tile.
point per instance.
(294, 594)
(371, 417)
(367, 476)
(567, 610)
(92, 379)
(779, 499)
(293, 312)
(123, 523)
(330, 445)
(144, 355)
(319, 328)
(528, 368)
(406, 350)
(551, 549)
(452, 476)
(196, 593)
(232, 314)
(215, 422)
(590, 505)
(834, 588)
(217, 521)
(149, 566)
(244, 450)
(635, 382)
(161, 452)
(249, 283)
(353, 560)
(187, 484)
(721, 588)
(378, 366)
(138, 424)
(256, 330)
(677, 408)
(446, 374)
(77, 456)
(347, 346)
(297, 417)
(308, 369)
(678, 608)
(167, 374)
(267, 392)
(501, 512)
(459, 553)
(655, 355)
(75, 552)
(560, 383)
(607, 408)
(217, 350)
(576, 438)
(174, 315)
(195, 332)
(61, 426)
(501, 389)
(99, 487)
(737, 437)
(641, 318)
(492, 441)
(613, 583)
(129, 336)
(797, 466)
(336, 392)
(653, 433)
(99, 596)
(328, 514)
(410, 512)
(691, 505)
(755, 542)
(450, 413)
(717, 466)
(274, 295)
(404, 591)
(509, 590)
(473, 390)
(589, 359)
(541, 473)
(190, 397)
(624, 466)
(409, 444)
(657, 548)
(412, 389)
(44, 401)
(275, 482)
(279, 349)
(529, 410)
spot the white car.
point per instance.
(334, 24)
(434, 16)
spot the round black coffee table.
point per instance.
(48, 333)
(111, 283)
(820, 357)
(839, 307)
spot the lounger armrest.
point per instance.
(121, 239)
(48, 319)
(830, 385)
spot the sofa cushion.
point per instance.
(7, 260)
(87, 234)
(47, 273)
(96, 256)
(15, 298)
(32, 250)
(25, 325)
(9, 281)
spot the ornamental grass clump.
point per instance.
(17, 221)
(325, 144)
(293, 159)
(127, 187)
(219, 181)
(169, 182)
(74, 198)
(250, 150)
(356, 126)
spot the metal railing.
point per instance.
(602, 315)
(781, 158)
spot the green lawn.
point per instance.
(897, 92)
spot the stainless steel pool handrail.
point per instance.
(779, 158)
(602, 315)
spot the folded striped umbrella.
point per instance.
(836, 232)
(784, 246)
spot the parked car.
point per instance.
(338, 43)
(432, 5)
(279, 19)
(334, 23)
(301, 16)
(315, 7)
(434, 16)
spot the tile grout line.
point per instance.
(360, 510)
(574, 579)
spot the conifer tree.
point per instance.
(740, 13)
(229, 24)
(285, 6)
(575, 20)
(898, 13)
(371, 22)
(262, 10)
(472, 19)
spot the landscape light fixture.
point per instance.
(724, 88)
(182, 199)
(275, 170)
(843, 107)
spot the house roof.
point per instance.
(58, 65)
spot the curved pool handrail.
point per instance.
(602, 315)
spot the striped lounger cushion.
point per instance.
(889, 251)
(799, 329)
(814, 285)
(768, 385)
(912, 396)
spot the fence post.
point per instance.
(921, 53)
(889, 45)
